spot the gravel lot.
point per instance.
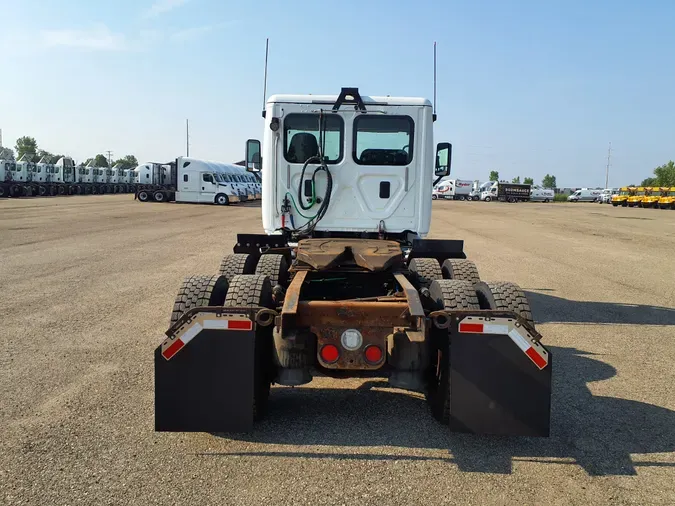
(88, 285)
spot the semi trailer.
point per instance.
(344, 283)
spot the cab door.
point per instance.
(208, 188)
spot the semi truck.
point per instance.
(25, 178)
(345, 283)
(478, 188)
(189, 180)
(507, 192)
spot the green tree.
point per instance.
(548, 181)
(665, 174)
(100, 161)
(650, 181)
(516, 180)
(494, 175)
(6, 153)
(127, 162)
(26, 146)
(528, 180)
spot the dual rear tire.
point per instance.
(456, 295)
(426, 270)
(244, 290)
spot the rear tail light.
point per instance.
(329, 353)
(373, 354)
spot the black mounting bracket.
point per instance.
(349, 96)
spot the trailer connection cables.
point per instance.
(310, 225)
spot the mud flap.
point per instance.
(496, 388)
(208, 385)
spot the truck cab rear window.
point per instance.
(301, 137)
(383, 140)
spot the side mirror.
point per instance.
(253, 155)
(443, 159)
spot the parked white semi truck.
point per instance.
(189, 180)
(345, 284)
(25, 178)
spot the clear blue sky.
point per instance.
(524, 86)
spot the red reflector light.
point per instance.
(471, 327)
(373, 354)
(330, 353)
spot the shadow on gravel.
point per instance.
(551, 309)
(597, 433)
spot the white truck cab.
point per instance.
(607, 194)
(348, 164)
(203, 181)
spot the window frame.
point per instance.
(329, 115)
(411, 145)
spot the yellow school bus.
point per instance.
(667, 201)
(622, 198)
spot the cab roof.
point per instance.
(331, 99)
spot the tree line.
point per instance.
(28, 147)
(664, 175)
(548, 181)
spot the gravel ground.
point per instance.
(88, 285)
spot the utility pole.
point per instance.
(609, 156)
(109, 158)
(187, 137)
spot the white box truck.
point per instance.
(455, 189)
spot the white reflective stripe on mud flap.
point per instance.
(215, 324)
(518, 339)
(191, 333)
(495, 328)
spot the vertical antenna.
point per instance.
(434, 116)
(187, 137)
(267, 49)
(609, 154)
